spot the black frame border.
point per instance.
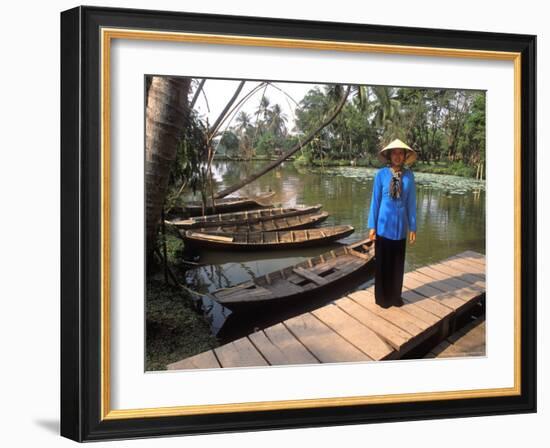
(81, 223)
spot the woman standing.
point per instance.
(392, 214)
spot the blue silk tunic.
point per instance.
(392, 218)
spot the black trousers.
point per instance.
(389, 270)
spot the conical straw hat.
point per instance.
(410, 154)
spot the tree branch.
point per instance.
(286, 155)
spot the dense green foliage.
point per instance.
(190, 170)
(445, 126)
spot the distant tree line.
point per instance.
(441, 124)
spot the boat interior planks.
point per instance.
(268, 225)
(243, 217)
(308, 275)
(230, 204)
(288, 239)
(311, 275)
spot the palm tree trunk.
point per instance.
(166, 114)
(290, 152)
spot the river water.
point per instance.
(450, 219)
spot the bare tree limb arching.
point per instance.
(290, 152)
(197, 93)
(223, 115)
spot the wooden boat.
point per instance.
(233, 204)
(306, 278)
(272, 225)
(286, 239)
(244, 217)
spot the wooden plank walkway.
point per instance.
(354, 328)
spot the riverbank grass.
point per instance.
(457, 168)
(454, 168)
(174, 329)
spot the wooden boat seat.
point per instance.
(283, 287)
(208, 236)
(310, 276)
(359, 254)
(248, 294)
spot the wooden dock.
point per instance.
(439, 300)
(467, 341)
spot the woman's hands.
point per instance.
(412, 236)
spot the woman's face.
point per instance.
(397, 156)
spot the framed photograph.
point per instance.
(274, 223)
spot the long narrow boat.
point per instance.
(287, 239)
(271, 225)
(233, 204)
(306, 278)
(244, 217)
